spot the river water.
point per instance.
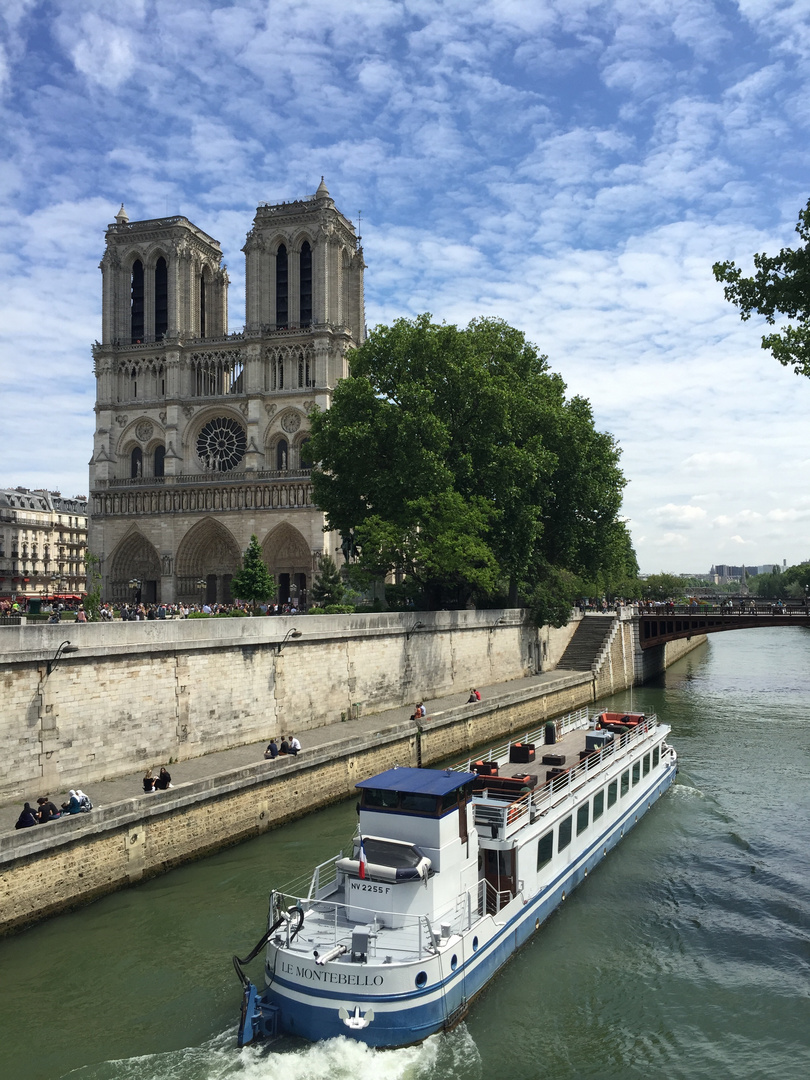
(685, 954)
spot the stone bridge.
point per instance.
(663, 625)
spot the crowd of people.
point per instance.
(76, 803)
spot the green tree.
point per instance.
(328, 587)
(780, 287)
(662, 586)
(456, 460)
(92, 600)
(254, 582)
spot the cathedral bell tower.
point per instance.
(200, 433)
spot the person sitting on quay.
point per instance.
(47, 810)
(73, 805)
(285, 746)
(475, 695)
(27, 818)
(148, 781)
(164, 780)
(272, 749)
(84, 801)
(295, 745)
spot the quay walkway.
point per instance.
(123, 789)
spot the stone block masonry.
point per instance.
(44, 871)
(139, 693)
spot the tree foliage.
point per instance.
(780, 287)
(254, 582)
(92, 601)
(662, 587)
(454, 458)
(328, 587)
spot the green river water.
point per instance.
(685, 954)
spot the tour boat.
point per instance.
(449, 873)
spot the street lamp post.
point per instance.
(135, 585)
(202, 584)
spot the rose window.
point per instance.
(221, 444)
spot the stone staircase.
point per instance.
(585, 647)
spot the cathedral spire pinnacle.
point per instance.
(122, 217)
(323, 191)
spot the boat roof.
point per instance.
(418, 781)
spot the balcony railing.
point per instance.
(206, 478)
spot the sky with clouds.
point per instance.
(573, 166)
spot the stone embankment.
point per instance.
(231, 794)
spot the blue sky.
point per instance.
(573, 166)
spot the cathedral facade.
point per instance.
(199, 433)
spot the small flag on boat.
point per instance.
(363, 860)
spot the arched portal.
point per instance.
(207, 553)
(289, 560)
(134, 561)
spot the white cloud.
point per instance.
(574, 166)
(679, 515)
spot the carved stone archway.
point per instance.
(289, 560)
(208, 552)
(135, 559)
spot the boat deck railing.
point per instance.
(412, 936)
(563, 724)
(500, 819)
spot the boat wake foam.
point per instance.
(442, 1057)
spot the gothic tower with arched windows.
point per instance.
(200, 433)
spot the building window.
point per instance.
(281, 287)
(202, 305)
(545, 849)
(161, 298)
(136, 462)
(564, 834)
(306, 284)
(136, 302)
(221, 444)
(160, 459)
(280, 371)
(300, 373)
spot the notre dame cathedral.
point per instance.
(199, 433)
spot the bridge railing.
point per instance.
(748, 608)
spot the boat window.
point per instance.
(397, 856)
(582, 818)
(452, 798)
(625, 781)
(564, 834)
(545, 849)
(386, 800)
(646, 764)
(599, 802)
(612, 786)
(418, 804)
(421, 979)
(656, 755)
(636, 772)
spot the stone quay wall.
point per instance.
(139, 692)
(45, 871)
